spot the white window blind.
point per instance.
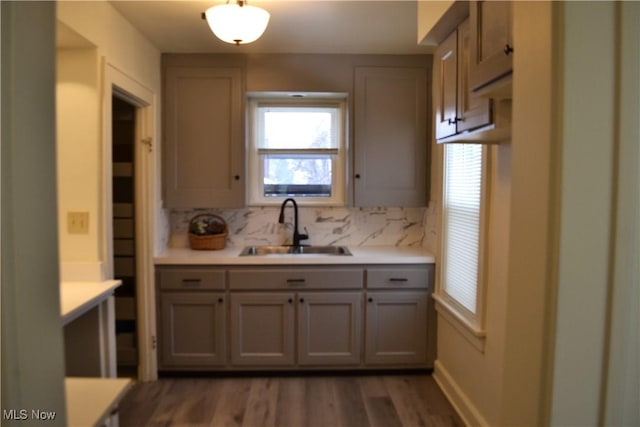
(461, 222)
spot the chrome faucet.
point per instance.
(296, 235)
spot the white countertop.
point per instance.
(76, 298)
(361, 255)
(91, 400)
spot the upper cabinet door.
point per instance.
(390, 136)
(457, 108)
(204, 150)
(446, 86)
(472, 111)
(492, 45)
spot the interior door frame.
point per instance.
(119, 84)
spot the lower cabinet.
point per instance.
(264, 328)
(295, 317)
(193, 329)
(396, 328)
(329, 328)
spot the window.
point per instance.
(297, 149)
(462, 232)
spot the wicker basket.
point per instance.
(208, 242)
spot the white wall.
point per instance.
(501, 385)
(585, 207)
(119, 57)
(32, 354)
(122, 45)
(562, 348)
(429, 13)
(471, 377)
(598, 255)
(531, 248)
(623, 359)
(79, 150)
(81, 128)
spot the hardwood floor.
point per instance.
(286, 401)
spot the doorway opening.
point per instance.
(123, 124)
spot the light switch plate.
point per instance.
(78, 222)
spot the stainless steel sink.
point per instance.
(321, 250)
(294, 250)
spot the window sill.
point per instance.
(469, 330)
(302, 202)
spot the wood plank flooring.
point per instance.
(287, 401)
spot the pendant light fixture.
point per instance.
(237, 22)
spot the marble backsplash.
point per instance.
(325, 226)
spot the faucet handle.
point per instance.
(304, 236)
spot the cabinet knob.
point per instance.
(357, 176)
(236, 177)
(370, 299)
(508, 49)
(290, 300)
(220, 300)
(301, 300)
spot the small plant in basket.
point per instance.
(207, 225)
(207, 232)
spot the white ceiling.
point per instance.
(296, 26)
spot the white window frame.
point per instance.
(470, 324)
(255, 183)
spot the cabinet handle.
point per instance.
(398, 279)
(301, 300)
(236, 177)
(190, 282)
(508, 50)
(357, 176)
(290, 300)
(454, 120)
(370, 299)
(221, 300)
(295, 281)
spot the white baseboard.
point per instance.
(458, 399)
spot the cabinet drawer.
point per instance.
(191, 278)
(296, 278)
(394, 277)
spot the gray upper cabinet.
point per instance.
(445, 72)
(457, 109)
(492, 47)
(203, 136)
(390, 165)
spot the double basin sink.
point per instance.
(295, 250)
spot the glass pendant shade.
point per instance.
(237, 23)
